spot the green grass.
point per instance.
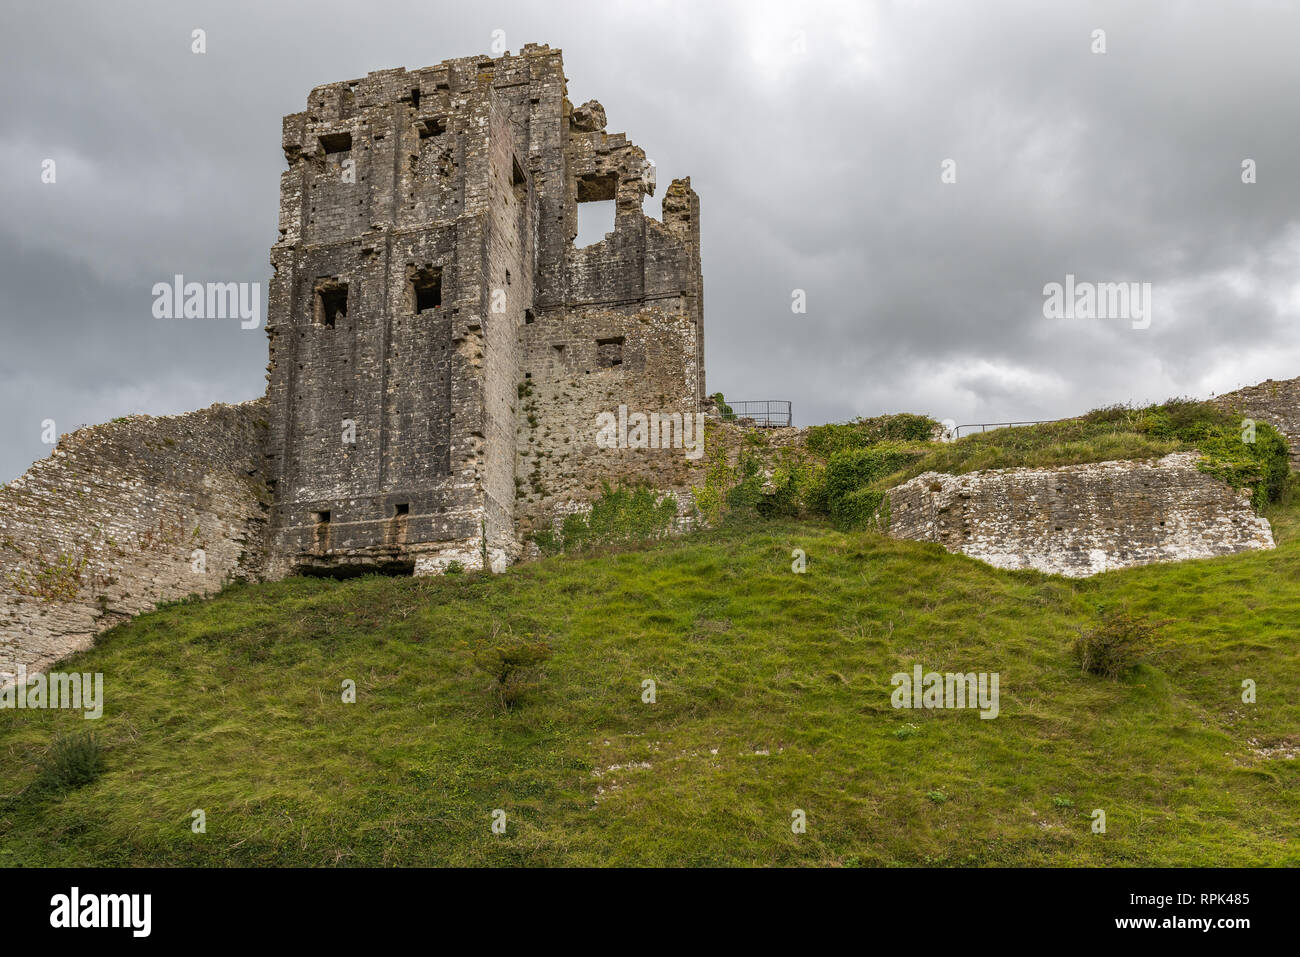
(773, 694)
(1039, 446)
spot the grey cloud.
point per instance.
(816, 170)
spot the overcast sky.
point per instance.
(814, 133)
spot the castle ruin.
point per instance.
(439, 347)
(442, 356)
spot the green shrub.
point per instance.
(794, 482)
(747, 490)
(620, 516)
(862, 508)
(725, 411)
(826, 440)
(1116, 645)
(548, 543)
(515, 668)
(766, 481)
(850, 471)
(72, 762)
(1262, 465)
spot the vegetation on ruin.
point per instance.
(56, 580)
(621, 515)
(1124, 432)
(772, 694)
(844, 470)
(826, 440)
(725, 412)
(785, 482)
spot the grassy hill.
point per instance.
(773, 694)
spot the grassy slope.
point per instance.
(773, 694)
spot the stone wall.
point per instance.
(569, 383)
(1274, 402)
(381, 418)
(1078, 520)
(109, 525)
(403, 427)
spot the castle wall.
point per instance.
(1274, 402)
(108, 526)
(508, 287)
(567, 387)
(406, 365)
(1078, 520)
(619, 324)
(472, 171)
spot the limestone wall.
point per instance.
(1274, 402)
(1078, 520)
(109, 525)
(569, 383)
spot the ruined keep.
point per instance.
(439, 348)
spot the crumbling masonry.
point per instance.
(439, 347)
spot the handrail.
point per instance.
(764, 413)
(985, 426)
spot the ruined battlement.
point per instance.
(426, 283)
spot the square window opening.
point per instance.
(425, 289)
(336, 142)
(597, 187)
(609, 352)
(330, 303)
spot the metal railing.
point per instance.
(763, 413)
(985, 426)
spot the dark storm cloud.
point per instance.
(814, 134)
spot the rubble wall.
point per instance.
(1078, 520)
(123, 516)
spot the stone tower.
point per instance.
(438, 345)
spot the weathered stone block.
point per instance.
(1077, 520)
